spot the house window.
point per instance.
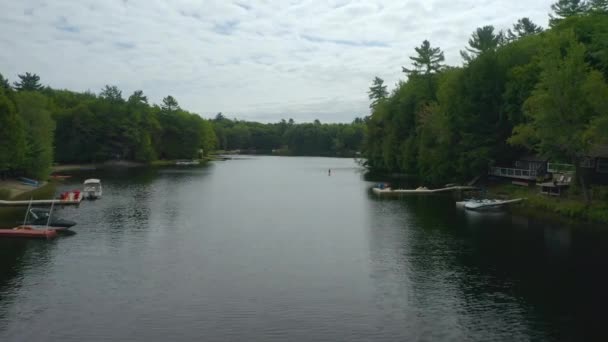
(518, 164)
(602, 166)
(587, 163)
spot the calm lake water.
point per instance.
(274, 249)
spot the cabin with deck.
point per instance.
(526, 168)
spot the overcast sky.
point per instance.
(255, 60)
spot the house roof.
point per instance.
(599, 151)
(532, 158)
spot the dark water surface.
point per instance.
(274, 249)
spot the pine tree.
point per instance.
(523, 28)
(428, 59)
(29, 82)
(377, 91)
(566, 8)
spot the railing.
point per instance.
(513, 173)
(560, 168)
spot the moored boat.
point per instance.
(486, 204)
(92, 188)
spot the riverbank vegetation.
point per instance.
(290, 138)
(524, 90)
(40, 126)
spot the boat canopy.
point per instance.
(92, 181)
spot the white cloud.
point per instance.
(256, 60)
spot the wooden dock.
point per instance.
(390, 191)
(56, 202)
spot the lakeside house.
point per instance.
(531, 168)
(527, 168)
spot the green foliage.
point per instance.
(310, 139)
(4, 85)
(483, 39)
(566, 8)
(12, 135)
(39, 129)
(523, 28)
(28, 82)
(376, 92)
(568, 98)
(428, 59)
(538, 92)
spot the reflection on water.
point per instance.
(275, 249)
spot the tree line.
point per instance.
(40, 126)
(290, 138)
(522, 90)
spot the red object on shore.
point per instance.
(28, 232)
(60, 176)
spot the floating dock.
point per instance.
(70, 200)
(389, 191)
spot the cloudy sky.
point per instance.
(256, 60)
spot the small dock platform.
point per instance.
(389, 191)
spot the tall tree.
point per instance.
(598, 6)
(483, 39)
(377, 91)
(522, 28)
(566, 8)
(429, 60)
(111, 94)
(138, 97)
(568, 98)
(28, 82)
(170, 104)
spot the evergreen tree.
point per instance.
(598, 6)
(523, 28)
(377, 91)
(428, 60)
(170, 104)
(483, 39)
(28, 82)
(566, 8)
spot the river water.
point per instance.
(275, 249)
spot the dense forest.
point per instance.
(290, 138)
(524, 90)
(40, 126)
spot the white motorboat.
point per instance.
(92, 188)
(486, 204)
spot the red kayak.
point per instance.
(28, 232)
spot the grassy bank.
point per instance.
(571, 206)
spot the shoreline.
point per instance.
(565, 208)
